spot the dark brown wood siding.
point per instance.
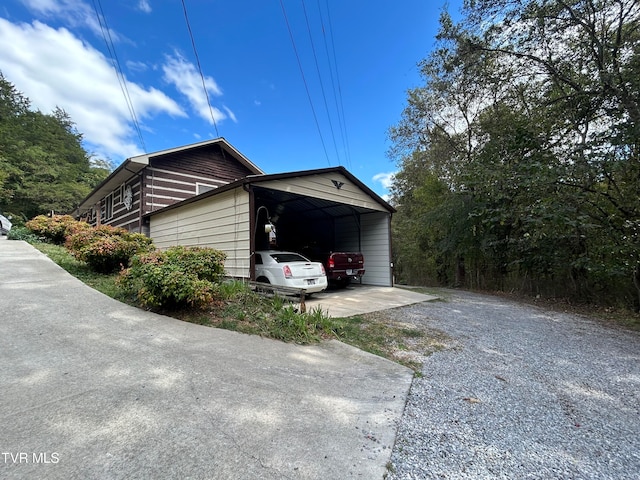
(121, 217)
(208, 161)
(169, 179)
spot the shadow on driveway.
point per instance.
(92, 388)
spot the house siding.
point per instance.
(205, 162)
(169, 179)
(121, 217)
(220, 222)
(322, 186)
(376, 248)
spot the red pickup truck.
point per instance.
(342, 267)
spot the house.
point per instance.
(149, 182)
(325, 209)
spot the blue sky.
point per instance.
(366, 55)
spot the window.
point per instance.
(107, 208)
(203, 187)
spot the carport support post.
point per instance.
(252, 234)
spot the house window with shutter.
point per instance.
(107, 207)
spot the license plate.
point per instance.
(311, 281)
(350, 272)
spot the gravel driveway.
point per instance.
(520, 393)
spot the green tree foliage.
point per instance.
(43, 166)
(519, 156)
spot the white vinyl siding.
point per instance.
(220, 222)
(376, 249)
(322, 186)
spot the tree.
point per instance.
(541, 99)
(43, 165)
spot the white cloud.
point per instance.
(187, 80)
(385, 179)
(137, 66)
(53, 68)
(73, 13)
(231, 115)
(144, 6)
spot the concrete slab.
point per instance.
(359, 299)
(92, 388)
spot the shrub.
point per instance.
(106, 248)
(22, 233)
(178, 276)
(56, 228)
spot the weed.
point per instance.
(238, 308)
(23, 233)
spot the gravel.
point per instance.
(520, 393)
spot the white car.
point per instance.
(289, 269)
(5, 225)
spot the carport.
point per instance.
(313, 211)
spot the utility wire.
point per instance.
(195, 51)
(326, 106)
(304, 80)
(341, 123)
(102, 21)
(335, 63)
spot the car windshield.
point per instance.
(288, 257)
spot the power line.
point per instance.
(315, 57)
(195, 51)
(102, 21)
(304, 80)
(343, 122)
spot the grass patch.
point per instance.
(240, 309)
(403, 343)
(101, 282)
(245, 311)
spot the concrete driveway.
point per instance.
(92, 388)
(357, 299)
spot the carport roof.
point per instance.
(255, 180)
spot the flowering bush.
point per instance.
(56, 228)
(178, 276)
(106, 248)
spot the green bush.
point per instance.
(22, 233)
(176, 277)
(56, 228)
(105, 248)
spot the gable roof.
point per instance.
(254, 179)
(133, 165)
(257, 179)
